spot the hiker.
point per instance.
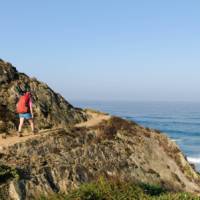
(24, 107)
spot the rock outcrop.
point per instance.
(50, 109)
(60, 159)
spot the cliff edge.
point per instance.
(80, 146)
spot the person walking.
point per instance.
(24, 108)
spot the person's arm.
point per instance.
(31, 107)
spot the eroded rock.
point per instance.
(63, 159)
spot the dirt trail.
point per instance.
(14, 139)
(94, 119)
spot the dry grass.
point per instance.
(108, 129)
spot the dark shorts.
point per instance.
(25, 115)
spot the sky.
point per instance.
(133, 50)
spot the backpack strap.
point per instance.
(27, 87)
(19, 90)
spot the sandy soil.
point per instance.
(14, 139)
(95, 118)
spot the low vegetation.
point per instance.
(7, 173)
(112, 190)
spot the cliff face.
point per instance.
(50, 109)
(70, 153)
(62, 159)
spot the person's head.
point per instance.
(23, 87)
(27, 87)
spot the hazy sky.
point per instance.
(106, 49)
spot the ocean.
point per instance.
(179, 120)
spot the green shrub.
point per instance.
(115, 190)
(152, 190)
(176, 196)
(7, 173)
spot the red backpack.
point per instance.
(23, 103)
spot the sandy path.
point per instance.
(95, 118)
(14, 139)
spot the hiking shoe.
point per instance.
(20, 134)
(4, 136)
(35, 132)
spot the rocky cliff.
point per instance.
(60, 159)
(50, 109)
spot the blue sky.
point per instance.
(106, 49)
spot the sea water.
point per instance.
(179, 120)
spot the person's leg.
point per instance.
(21, 122)
(32, 125)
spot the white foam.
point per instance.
(176, 140)
(193, 160)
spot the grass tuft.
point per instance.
(110, 190)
